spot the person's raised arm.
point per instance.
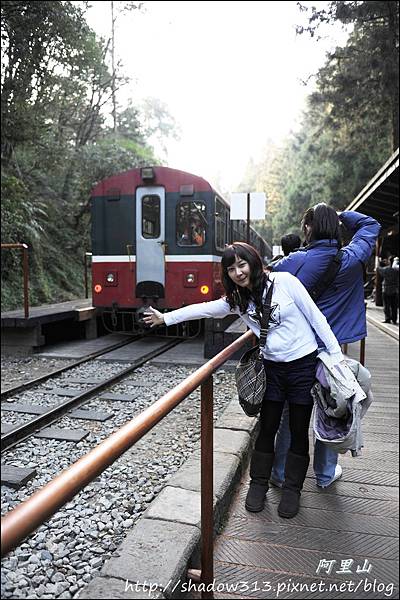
(365, 231)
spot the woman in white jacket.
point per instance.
(290, 356)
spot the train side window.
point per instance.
(151, 216)
(191, 224)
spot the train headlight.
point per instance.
(98, 288)
(204, 289)
(111, 278)
(190, 278)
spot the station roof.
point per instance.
(380, 197)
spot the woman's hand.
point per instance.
(153, 317)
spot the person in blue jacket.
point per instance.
(342, 304)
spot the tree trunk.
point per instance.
(114, 102)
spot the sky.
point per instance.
(230, 74)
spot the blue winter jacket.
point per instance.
(343, 302)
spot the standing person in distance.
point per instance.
(290, 356)
(342, 304)
(289, 243)
(389, 271)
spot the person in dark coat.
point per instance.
(290, 243)
(390, 288)
(342, 303)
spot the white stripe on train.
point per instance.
(116, 258)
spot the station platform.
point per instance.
(342, 544)
(345, 535)
(24, 335)
(47, 313)
(376, 316)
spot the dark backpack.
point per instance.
(327, 277)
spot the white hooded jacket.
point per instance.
(341, 405)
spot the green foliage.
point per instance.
(20, 219)
(350, 124)
(56, 87)
(39, 41)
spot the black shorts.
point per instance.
(291, 381)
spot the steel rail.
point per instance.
(24, 431)
(27, 516)
(32, 382)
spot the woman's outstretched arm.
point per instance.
(217, 309)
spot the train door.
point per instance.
(150, 242)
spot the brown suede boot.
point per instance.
(295, 473)
(260, 471)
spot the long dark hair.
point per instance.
(236, 295)
(324, 223)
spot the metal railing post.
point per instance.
(362, 352)
(207, 484)
(86, 274)
(362, 342)
(26, 280)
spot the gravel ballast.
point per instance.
(15, 371)
(64, 554)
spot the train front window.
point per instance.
(191, 224)
(151, 216)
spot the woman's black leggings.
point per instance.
(299, 421)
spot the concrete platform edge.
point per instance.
(382, 326)
(139, 559)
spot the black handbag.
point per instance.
(250, 373)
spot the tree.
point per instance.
(39, 39)
(122, 7)
(350, 122)
(56, 144)
(360, 81)
(158, 123)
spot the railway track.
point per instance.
(46, 416)
(73, 545)
(38, 380)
